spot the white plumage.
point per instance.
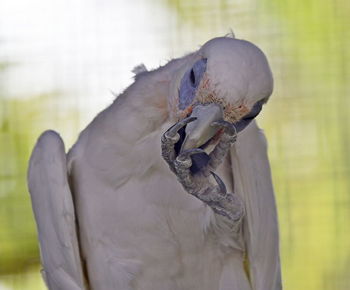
(114, 216)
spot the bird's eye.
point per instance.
(192, 77)
(190, 82)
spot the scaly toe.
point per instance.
(184, 159)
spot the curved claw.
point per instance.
(172, 131)
(220, 183)
(229, 128)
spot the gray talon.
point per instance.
(170, 138)
(220, 183)
(216, 196)
(172, 131)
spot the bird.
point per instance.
(169, 187)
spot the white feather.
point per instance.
(138, 228)
(54, 212)
(251, 170)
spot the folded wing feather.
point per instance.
(54, 213)
(253, 183)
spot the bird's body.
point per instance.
(136, 226)
(157, 242)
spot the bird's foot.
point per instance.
(170, 138)
(198, 184)
(226, 204)
(228, 137)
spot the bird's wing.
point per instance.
(253, 183)
(54, 213)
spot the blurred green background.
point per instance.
(59, 60)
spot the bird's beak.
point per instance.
(200, 131)
(245, 121)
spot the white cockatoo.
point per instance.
(136, 205)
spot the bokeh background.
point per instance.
(60, 61)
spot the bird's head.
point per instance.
(226, 78)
